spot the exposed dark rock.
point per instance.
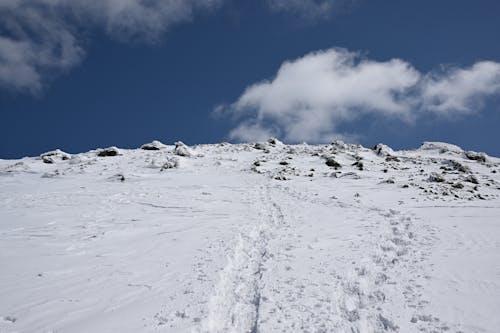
(332, 163)
(155, 145)
(391, 158)
(454, 165)
(274, 142)
(472, 155)
(471, 179)
(260, 146)
(436, 178)
(111, 151)
(119, 177)
(359, 165)
(51, 156)
(383, 150)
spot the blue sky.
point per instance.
(77, 77)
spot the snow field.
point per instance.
(251, 238)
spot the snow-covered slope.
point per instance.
(251, 238)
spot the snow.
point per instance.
(251, 238)
(154, 145)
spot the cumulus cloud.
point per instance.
(251, 131)
(310, 97)
(39, 38)
(461, 90)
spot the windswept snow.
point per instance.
(263, 237)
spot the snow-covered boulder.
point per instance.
(472, 155)
(383, 150)
(171, 163)
(339, 144)
(440, 147)
(454, 165)
(275, 142)
(155, 145)
(182, 149)
(52, 174)
(54, 155)
(260, 146)
(110, 151)
(471, 179)
(119, 177)
(436, 178)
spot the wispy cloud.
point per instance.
(308, 8)
(310, 97)
(41, 38)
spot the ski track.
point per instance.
(235, 305)
(351, 301)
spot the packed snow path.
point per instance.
(251, 238)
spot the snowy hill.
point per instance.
(260, 237)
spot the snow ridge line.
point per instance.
(234, 307)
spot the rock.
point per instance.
(349, 175)
(383, 150)
(330, 161)
(471, 179)
(284, 163)
(390, 158)
(171, 163)
(456, 166)
(275, 142)
(472, 155)
(440, 147)
(155, 145)
(436, 178)
(260, 146)
(339, 145)
(182, 150)
(51, 156)
(53, 174)
(359, 165)
(388, 181)
(119, 177)
(106, 152)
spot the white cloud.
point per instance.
(310, 97)
(251, 131)
(461, 90)
(39, 38)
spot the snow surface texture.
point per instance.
(260, 237)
